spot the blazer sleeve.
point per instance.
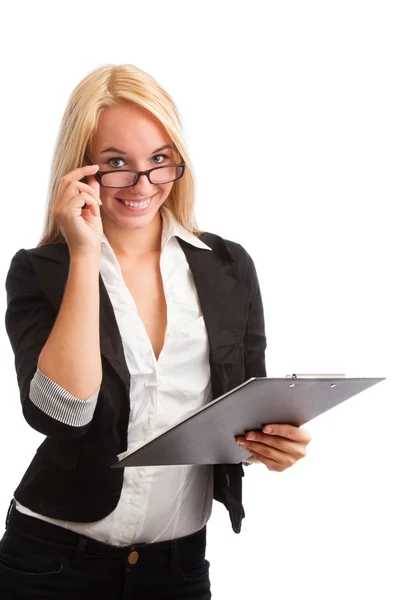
(255, 341)
(29, 319)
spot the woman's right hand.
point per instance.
(81, 227)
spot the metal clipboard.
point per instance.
(207, 436)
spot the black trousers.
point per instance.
(42, 560)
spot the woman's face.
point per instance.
(136, 140)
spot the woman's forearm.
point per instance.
(71, 356)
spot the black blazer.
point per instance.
(70, 477)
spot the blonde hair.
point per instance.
(111, 85)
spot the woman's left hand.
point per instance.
(277, 446)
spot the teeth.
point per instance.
(137, 204)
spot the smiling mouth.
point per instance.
(137, 199)
(137, 204)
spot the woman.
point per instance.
(123, 319)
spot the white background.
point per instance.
(291, 115)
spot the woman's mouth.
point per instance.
(138, 207)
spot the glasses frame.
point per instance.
(100, 174)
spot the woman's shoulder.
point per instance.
(22, 274)
(233, 250)
(56, 251)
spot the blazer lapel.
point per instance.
(223, 296)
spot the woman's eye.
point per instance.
(163, 155)
(110, 161)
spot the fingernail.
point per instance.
(267, 430)
(241, 442)
(250, 436)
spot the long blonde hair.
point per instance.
(111, 85)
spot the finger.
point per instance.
(77, 174)
(290, 432)
(297, 449)
(89, 187)
(90, 203)
(270, 463)
(282, 458)
(94, 185)
(74, 189)
(80, 201)
(80, 172)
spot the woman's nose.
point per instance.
(143, 187)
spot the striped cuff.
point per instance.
(59, 404)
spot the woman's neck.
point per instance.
(128, 243)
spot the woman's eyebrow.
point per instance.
(113, 149)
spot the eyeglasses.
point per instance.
(128, 177)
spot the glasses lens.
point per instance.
(118, 179)
(165, 174)
(125, 179)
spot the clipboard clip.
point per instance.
(314, 375)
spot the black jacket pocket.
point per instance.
(63, 454)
